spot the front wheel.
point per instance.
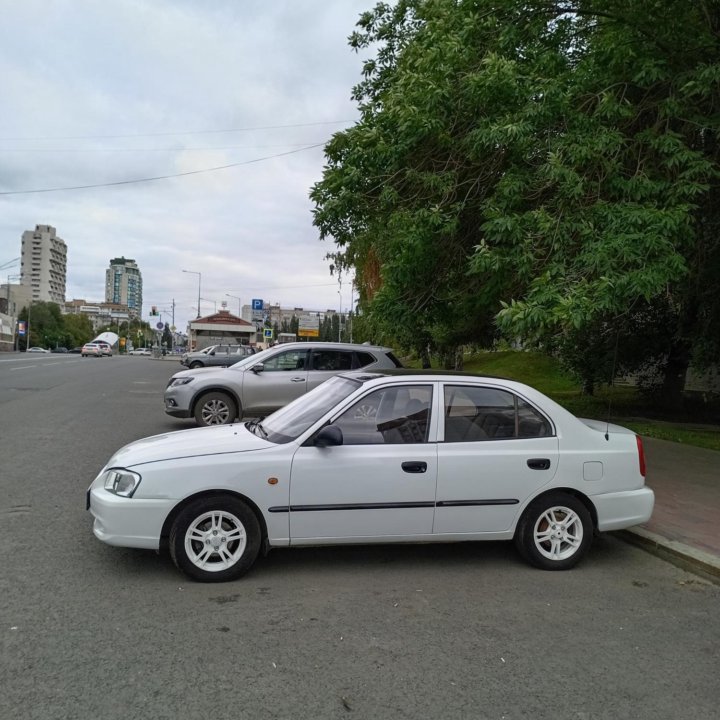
(215, 408)
(554, 532)
(195, 365)
(215, 539)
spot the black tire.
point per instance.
(197, 539)
(565, 523)
(215, 408)
(196, 364)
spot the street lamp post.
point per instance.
(239, 304)
(193, 272)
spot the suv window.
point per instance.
(482, 413)
(332, 360)
(289, 360)
(388, 416)
(364, 358)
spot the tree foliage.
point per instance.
(549, 170)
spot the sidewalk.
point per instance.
(685, 526)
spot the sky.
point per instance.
(101, 92)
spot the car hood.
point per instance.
(188, 443)
(200, 371)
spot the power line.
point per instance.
(186, 132)
(121, 150)
(159, 177)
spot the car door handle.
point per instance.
(539, 463)
(297, 379)
(414, 466)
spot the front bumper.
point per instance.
(127, 522)
(177, 402)
(620, 510)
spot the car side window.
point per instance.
(481, 413)
(364, 359)
(388, 416)
(335, 360)
(284, 361)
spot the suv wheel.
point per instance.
(215, 408)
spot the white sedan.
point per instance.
(379, 457)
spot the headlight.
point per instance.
(179, 381)
(121, 482)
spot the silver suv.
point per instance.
(264, 382)
(216, 356)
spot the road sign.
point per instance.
(257, 304)
(159, 326)
(268, 333)
(172, 328)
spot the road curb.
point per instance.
(679, 554)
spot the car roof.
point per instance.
(423, 374)
(328, 345)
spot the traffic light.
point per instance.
(153, 310)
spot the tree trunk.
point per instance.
(675, 375)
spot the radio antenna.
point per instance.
(612, 386)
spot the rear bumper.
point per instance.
(617, 511)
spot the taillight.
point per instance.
(641, 455)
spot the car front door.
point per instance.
(496, 451)
(380, 483)
(282, 379)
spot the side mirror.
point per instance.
(257, 368)
(329, 436)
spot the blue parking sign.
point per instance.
(257, 304)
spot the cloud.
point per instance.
(74, 72)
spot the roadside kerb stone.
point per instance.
(677, 553)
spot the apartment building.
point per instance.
(43, 264)
(123, 285)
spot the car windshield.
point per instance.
(294, 419)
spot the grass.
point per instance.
(623, 405)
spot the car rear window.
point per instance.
(364, 358)
(394, 360)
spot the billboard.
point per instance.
(309, 326)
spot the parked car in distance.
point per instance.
(59, 350)
(37, 350)
(91, 349)
(385, 456)
(75, 350)
(140, 351)
(264, 382)
(216, 356)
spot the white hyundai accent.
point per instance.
(390, 456)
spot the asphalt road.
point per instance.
(463, 631)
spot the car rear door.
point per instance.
(324, 364)
(496, 450)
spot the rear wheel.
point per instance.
(215, 408)
(554, 532)
(196, 364)
(215, 539)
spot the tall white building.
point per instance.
(123, 285)
(43, 264)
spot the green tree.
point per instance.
(78, 330)
(46, 326)
(542, 168)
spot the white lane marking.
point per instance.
(24, 367)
